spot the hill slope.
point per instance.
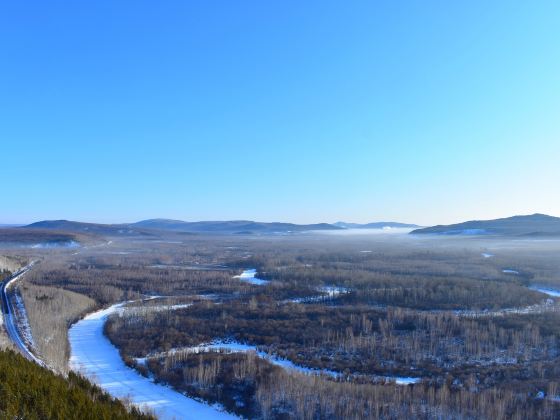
(229, 226)
(37, 237)
(90, 228)
(531, 225)
(28, 391)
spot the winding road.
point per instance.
(10, 317)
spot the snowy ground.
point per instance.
(327, 292)
(94, 356)
(23, 322)
(248, 276)
(539, 308)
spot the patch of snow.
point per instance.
(404, 380)
(546, 290)
(93, 355)
(49, 245)
(547, 306)
(23, 322)
(248, 276)
(486, 255)
(327, 292)
(333, 291)
(235, 347)
(508, 271)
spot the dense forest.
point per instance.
(28, 391)
(458, 317)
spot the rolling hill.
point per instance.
(531, 225)
(231, 226)
(151, 226)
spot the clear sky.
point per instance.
(304, 111)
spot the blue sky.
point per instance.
(416, 111)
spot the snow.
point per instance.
(48, 245)
(539, 308)
(333, 291)
(405, 380)
(94, 356)
(11, 321)
(546, 290)
(508, 271)
(23, 322)
(236, 347)
(327, 292)
(248, 276)
(487, 255)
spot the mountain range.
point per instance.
(531, 225)
(147, 227)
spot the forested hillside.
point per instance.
(28, 391)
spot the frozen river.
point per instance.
(93, 355)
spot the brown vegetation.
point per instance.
(408, 312)
(50, 312)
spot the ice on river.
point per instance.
(546, 290)
(248, 276)
(94, 356)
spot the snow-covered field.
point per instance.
(248, 276)
(94, 356)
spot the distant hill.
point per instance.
(531, 225)
(91, 228)
(231, 226)
(148, 227)
(374, 225)
(39, 238)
